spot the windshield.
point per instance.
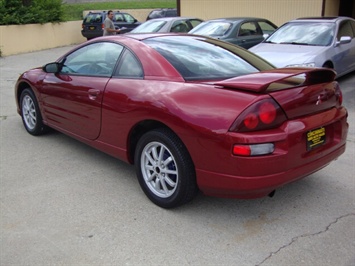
(198, 59)
(304, 33)
(215, 28)
(149, 26)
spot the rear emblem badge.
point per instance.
(319, 100)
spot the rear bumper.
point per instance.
(216, 184)
(257, 176)
(91, 34)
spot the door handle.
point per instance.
(93, 93)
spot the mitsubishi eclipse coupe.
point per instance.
(190, 112)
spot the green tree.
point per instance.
(30, 11)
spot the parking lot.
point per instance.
(65, 203)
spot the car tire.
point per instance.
(30, 113)
(164, 169)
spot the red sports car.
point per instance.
(191, 113)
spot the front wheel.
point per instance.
(328, 65)
(31, 115)
(164, 169)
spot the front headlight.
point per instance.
(303, 65)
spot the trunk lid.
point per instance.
(299, 91)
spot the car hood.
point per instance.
(282, 55)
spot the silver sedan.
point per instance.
(312, 42)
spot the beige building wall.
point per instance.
(277, 11)
(332, 8)
(16, 39)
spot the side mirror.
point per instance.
(343, 40)
(52, 67)
(265, 35)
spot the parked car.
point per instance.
(190, 112)
(162, 13)
(245, 32)
(172, 24)
(93, 23)
(312, 42)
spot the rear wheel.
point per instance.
(164, 169)
(31, 115)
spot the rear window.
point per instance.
(156, 14)
(171, 13)
(200, 59)
(93, 17)
(160, 13)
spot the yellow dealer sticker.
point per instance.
(315, 138)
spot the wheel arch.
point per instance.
(139, 130)
(21, 86)
(328, 64)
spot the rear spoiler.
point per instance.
(281, 77)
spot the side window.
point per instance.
(353, 26)
(129, 18)
(119, 17)
(345, 29)
(266, 28)
(195, 22)
(129, 67)
(179, 26)
(248, 28)
(98, 59)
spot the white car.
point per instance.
(312, 42)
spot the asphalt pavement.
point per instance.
(64, 203)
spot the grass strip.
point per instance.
(75, 11)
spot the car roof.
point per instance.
(105, 12)
(172, 18)
(143, 36)
(167, 8)
(320, 19)
(233, 19)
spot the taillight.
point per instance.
(262, 115)
(82, 26)
(103, 26)
(338, 94)
(242, 150)
(253, 149)
(267, 113)
(251, 120)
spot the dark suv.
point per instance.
(162, 13)
(93, 23)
